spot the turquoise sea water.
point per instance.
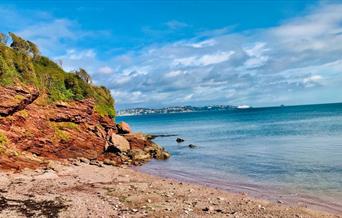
(280, 152)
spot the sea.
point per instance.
(287, 154)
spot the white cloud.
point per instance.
(105, 70)
(204, 60)
(72, 54)
(257, 55)
(173, 73)
(312, 80)
(203, 44)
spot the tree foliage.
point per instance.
(24, 46)
(3, 38)
(83, 74)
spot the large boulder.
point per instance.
(124, 128)
(119, 143)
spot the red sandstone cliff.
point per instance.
(34, 132)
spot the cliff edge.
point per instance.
(48, 114)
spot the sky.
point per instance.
(164, 53)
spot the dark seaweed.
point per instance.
(32, 208)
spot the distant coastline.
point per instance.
(191, 109)
(175, 109)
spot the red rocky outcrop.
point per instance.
(124, 128)
(35, 132)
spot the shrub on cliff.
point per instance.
(22, 63)
(3, 141)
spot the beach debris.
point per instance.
(96, 163)
(192, 146)
(179, 140)
(261, 207)
(208, 209)
(109, 162)
(84, 160)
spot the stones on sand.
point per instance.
(84, 160)
(96, 163)
(109, 162)
(208, 209)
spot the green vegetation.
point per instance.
(64, 125)
(61, 135)
(3, 142)
(61, 130)
(21, 62)
(23, 113)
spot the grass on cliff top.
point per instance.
(21, 63)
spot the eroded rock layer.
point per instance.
(32, 132)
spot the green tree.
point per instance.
(19, 44)
(3, 38)
(24, 46)
(34, 50)
(83, 75)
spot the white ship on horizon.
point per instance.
(243, 106)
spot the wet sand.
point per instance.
(83, 190)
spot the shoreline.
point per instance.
(83, 190)
(264, 192)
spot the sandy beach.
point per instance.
(84, 190)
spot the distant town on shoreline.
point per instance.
(177, 109)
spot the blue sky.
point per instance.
(161, 53)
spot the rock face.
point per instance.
(35, 132)
(16, 99)
(119, 143)
(124, 128)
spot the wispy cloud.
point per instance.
(175, 24)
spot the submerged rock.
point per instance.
(192, 146)
(179, 140)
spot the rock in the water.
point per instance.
(161, 154)
(192, 146)
(118, 142)
(124, 128)
(179, 140)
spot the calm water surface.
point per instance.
(287, 152)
